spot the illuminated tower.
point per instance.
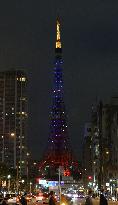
(58, 151)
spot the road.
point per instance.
(95, 202)
(80, 202)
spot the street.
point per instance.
(80, 202)
(95, 202)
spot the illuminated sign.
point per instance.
(54, 183)
(42, 181)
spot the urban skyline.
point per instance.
(89, 41)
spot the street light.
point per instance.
(12, 134)
(14, 137)
(107, 152)
(28, 154)
(9, 177)
(3, 146)
(30, 187)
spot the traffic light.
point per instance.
(90, 177)
(66, 172)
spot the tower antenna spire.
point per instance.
(58, 35)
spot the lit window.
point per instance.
(22, 98)
(12, 134)
(23, 79)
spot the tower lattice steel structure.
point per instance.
(59, 152)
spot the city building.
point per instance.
(104, 146)
(87, 156)
(13, 119)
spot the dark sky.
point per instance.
(90, 53)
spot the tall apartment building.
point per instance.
(87, 156)
(113, 174)
(104, 144)
(13, 119)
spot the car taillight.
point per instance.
(17, 199)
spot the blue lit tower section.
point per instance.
(58, 152)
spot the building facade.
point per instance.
(13, 119)
(87, 156)
(104, 146)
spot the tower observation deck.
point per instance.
(58, 152)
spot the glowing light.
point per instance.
(89, 177)
(12, 134)
(107, 152)
(22, 79)
(58, 42)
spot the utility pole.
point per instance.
(60, 184)
(3, 147)
(15, 137)
(21, 130)
(17, 179)
(3, 136)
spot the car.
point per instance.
(42, 197)
(39, 197)
(13, 199)
(28, 197)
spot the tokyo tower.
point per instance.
(59, 152)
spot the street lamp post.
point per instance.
(27, 166)
(17, 179)
(100, 181)
(14, 136)
(9, 177)
(30, 187)
(60, 172)
(3, 148)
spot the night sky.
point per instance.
(89, 33)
